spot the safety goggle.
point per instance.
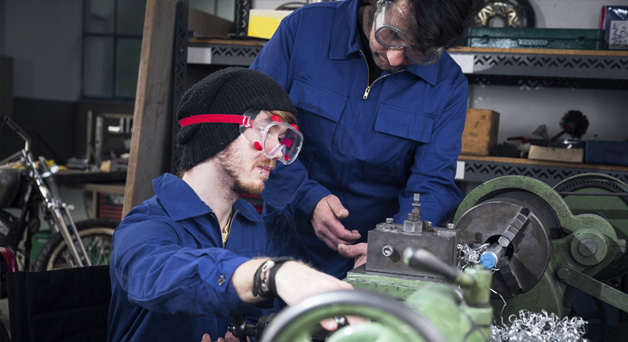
(277, 139)
(388, 17)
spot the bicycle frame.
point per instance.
(56, 211)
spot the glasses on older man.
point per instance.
(392, 27)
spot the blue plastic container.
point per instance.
(606, 152)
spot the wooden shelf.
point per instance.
(484, 168)
(557, 52)
(598, 69)
(217, 51)
(544, 162)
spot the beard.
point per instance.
(235, 167)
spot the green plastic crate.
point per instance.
(38, 241)
(536, 38)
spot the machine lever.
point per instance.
(593, 287)
(422, 259)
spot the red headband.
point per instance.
(214, 118)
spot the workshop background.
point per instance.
(51, 70)
(68, 63)
(60, 64)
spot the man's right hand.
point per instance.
(228, 338)
(357, 251)
(296, 281)
(326, 222)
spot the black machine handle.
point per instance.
(241, 329)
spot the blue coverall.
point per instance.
(170, 275)
(372, 145)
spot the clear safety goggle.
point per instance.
(388, 19)
(277, 139)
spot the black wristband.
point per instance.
(264, 277)
(273, 271)
(257, 289)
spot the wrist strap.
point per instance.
(273, 271)
(264, 278)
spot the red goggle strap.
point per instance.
(214, 118)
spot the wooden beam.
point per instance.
(150, 141)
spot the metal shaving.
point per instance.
(542, 327)
(470, 256)
(529, 326)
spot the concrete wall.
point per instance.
(44, 39)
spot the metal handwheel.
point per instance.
(388, 319)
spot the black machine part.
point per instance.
(10, 181)
(241, 329)
(517, 236)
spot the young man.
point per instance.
(383, 107)
(189, 258)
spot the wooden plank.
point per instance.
(201, 41)
(150, 142)
(570, 155)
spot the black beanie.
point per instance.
(227, 91)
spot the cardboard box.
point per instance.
(480, 131)
(264, 23)
(572, 155)
(208, 25)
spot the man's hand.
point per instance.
(207, 338)
(228, 338)
(357, 251)
(326, 222)
(296, 281)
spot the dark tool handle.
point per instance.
(423, 260)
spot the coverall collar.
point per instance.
(181, 202)
(345, 41)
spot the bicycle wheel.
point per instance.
(96, 235)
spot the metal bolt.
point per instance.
(587, 247)
(388, 250)
(390, 220)
(563, 273)
(451, 226)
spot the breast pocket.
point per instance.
(398, 133)
(320, 109)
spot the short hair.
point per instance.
(439, 23)
(286, 116)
